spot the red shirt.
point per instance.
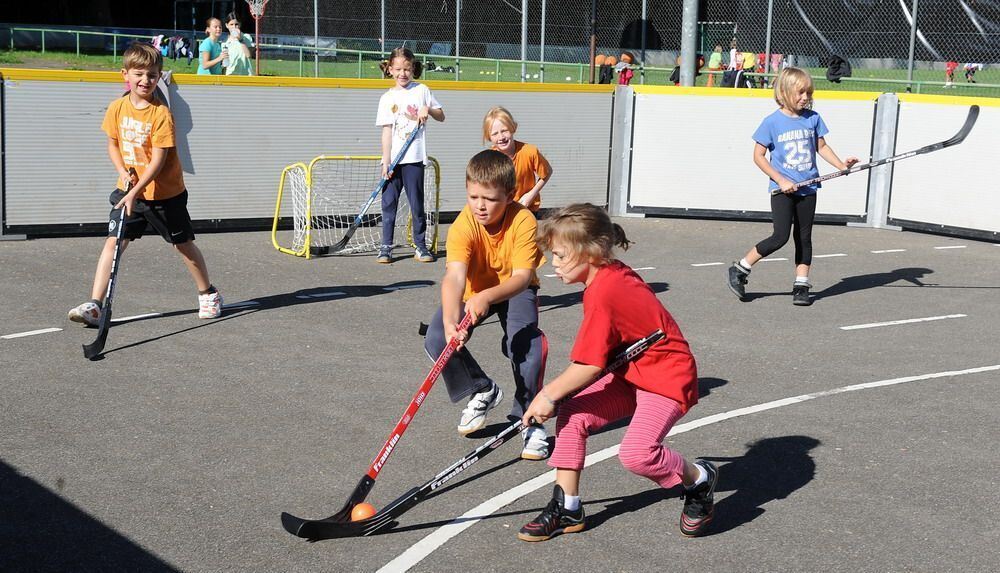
(620, 308)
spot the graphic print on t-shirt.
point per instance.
(133, 133)
(796, 147)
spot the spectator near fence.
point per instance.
(238, 45)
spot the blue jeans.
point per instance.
(409, 176)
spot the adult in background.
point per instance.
(238, 45)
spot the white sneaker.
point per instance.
(210, 305)
(536, 443)
(87, 313)
(474, 414)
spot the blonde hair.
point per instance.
(494, 114)
(492, 169)
(792, 78)
(407, 55)
(142, 56)
(586, 229)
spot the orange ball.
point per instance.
(610, 61)
(599, 59)
(362, 511)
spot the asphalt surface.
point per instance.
(180, 449)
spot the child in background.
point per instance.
(140, 134)
(794, 135)
(238, 45)
(210, 53)
(970, 71)
(949, 73)
(714, 64)
(402, 109)
(492, 257)
(655, 390)
(532, 169)
(624, 68)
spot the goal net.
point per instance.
(325, 197)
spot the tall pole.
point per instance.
(458, 35)
(316, 35)
(524, 38)
(689, 38)
(913, 39)
(642, 46)
(541, 55)
(593, 37)
(767, 37)
(381, 36)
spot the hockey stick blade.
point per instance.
(338, 526)
(301, 527)
(94, 350)
(970, 121)
(339, 245)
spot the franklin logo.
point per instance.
(112, 225)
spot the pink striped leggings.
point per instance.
(642, 452)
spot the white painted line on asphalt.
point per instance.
(775, 259)
(706, 264)
(889, 251)
(895, 322)
(30, 333)
(644, 269)
(551, 276)
(830, 255)
(951, 247)
(321, 294)
(437, 538)
(136, 317)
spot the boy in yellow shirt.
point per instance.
(140, 134)
(492, 258)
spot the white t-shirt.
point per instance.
(398, 108)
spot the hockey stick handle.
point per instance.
(418, 399)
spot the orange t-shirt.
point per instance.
(492, 259)
(529, 165)
(137, 131)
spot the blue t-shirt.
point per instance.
(791, 142)
(214, 50)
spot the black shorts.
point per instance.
(168, 217)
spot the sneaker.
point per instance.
(423, 255)
(536, 443)
(800, 294)
(474, 414)
(210, 305)
(553, 520)
(88, 313)
(699, 502)
(738, 281)
(384, 255)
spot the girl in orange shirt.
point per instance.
(532, 169)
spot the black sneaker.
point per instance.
(738, 281)
(553, 520)
(800, 294)
(699, 502)
(384, 254)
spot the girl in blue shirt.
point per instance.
(210, 54)
(794, 136)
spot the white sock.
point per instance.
(802, 280)
(702, 477)
(746, 266)
(571, 502)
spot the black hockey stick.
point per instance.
(294, 525)
(959, 137)
(94, 349)
(331, 528)
(378, 189)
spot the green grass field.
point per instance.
(881, 80)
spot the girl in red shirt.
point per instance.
(656, 389)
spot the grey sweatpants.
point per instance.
(523, 343)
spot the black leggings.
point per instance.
(788, 209)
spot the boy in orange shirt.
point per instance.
(492, 257)
(140, 134)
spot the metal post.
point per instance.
(524, 38)
(913, 39)
(593, 37)
(541, 55)
(316, 35)
(381, 37)
(767, 37)
(642, 46)
(689, 37)
(458, 36)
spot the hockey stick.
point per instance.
(378, 189)
(331, 528)
(295, 525)
(959, 137)
(94, 349)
